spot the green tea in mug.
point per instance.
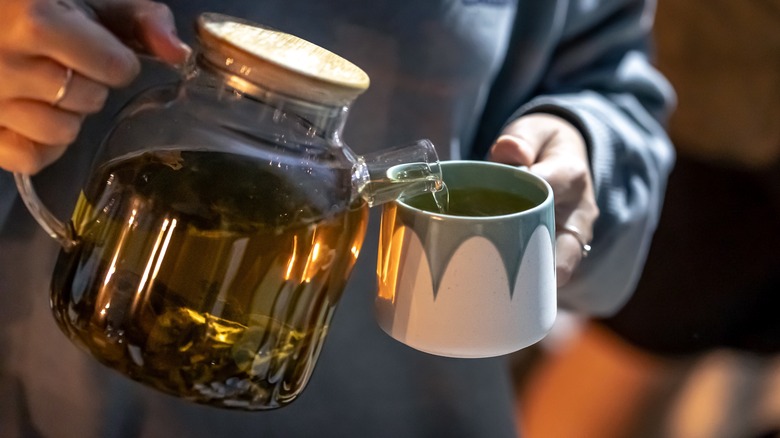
(473, 201)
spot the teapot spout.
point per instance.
(406, 170)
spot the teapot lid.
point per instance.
(279, 61)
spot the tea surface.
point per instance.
(473, 201)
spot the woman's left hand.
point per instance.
(554, 149)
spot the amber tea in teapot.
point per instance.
(216, 289)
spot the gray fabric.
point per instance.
(433, 65)
(7, 195)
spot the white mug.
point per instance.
(469, 286)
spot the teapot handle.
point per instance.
(60, 231)
(57, 229)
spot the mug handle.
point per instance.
(62, 233)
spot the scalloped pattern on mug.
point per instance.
(474, 314)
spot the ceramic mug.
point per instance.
(461, 284)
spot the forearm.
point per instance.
(619, 102)
(630, 163)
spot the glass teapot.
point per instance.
(210, 245)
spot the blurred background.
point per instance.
(695, 353)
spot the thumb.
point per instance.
(145, 26)
(512, 149)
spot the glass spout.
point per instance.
(407, 170)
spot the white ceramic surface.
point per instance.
(469, 287)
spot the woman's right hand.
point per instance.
(58, 60)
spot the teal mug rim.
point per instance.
(519, 170)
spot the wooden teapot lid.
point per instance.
(279, 61)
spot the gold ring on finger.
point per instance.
(574, 231)
(63, 90)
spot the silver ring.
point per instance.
(574, 231)
(63, 88)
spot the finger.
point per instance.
(513, 150)
(157, 32)
(40, 122)
(148, 27)
(65, 33)
(564, 165)
(523, 140)
(81, 94)
(20, 154)
(568, 256)
(574, 232)
(575, 203)
(575, 206)
(568, 177)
